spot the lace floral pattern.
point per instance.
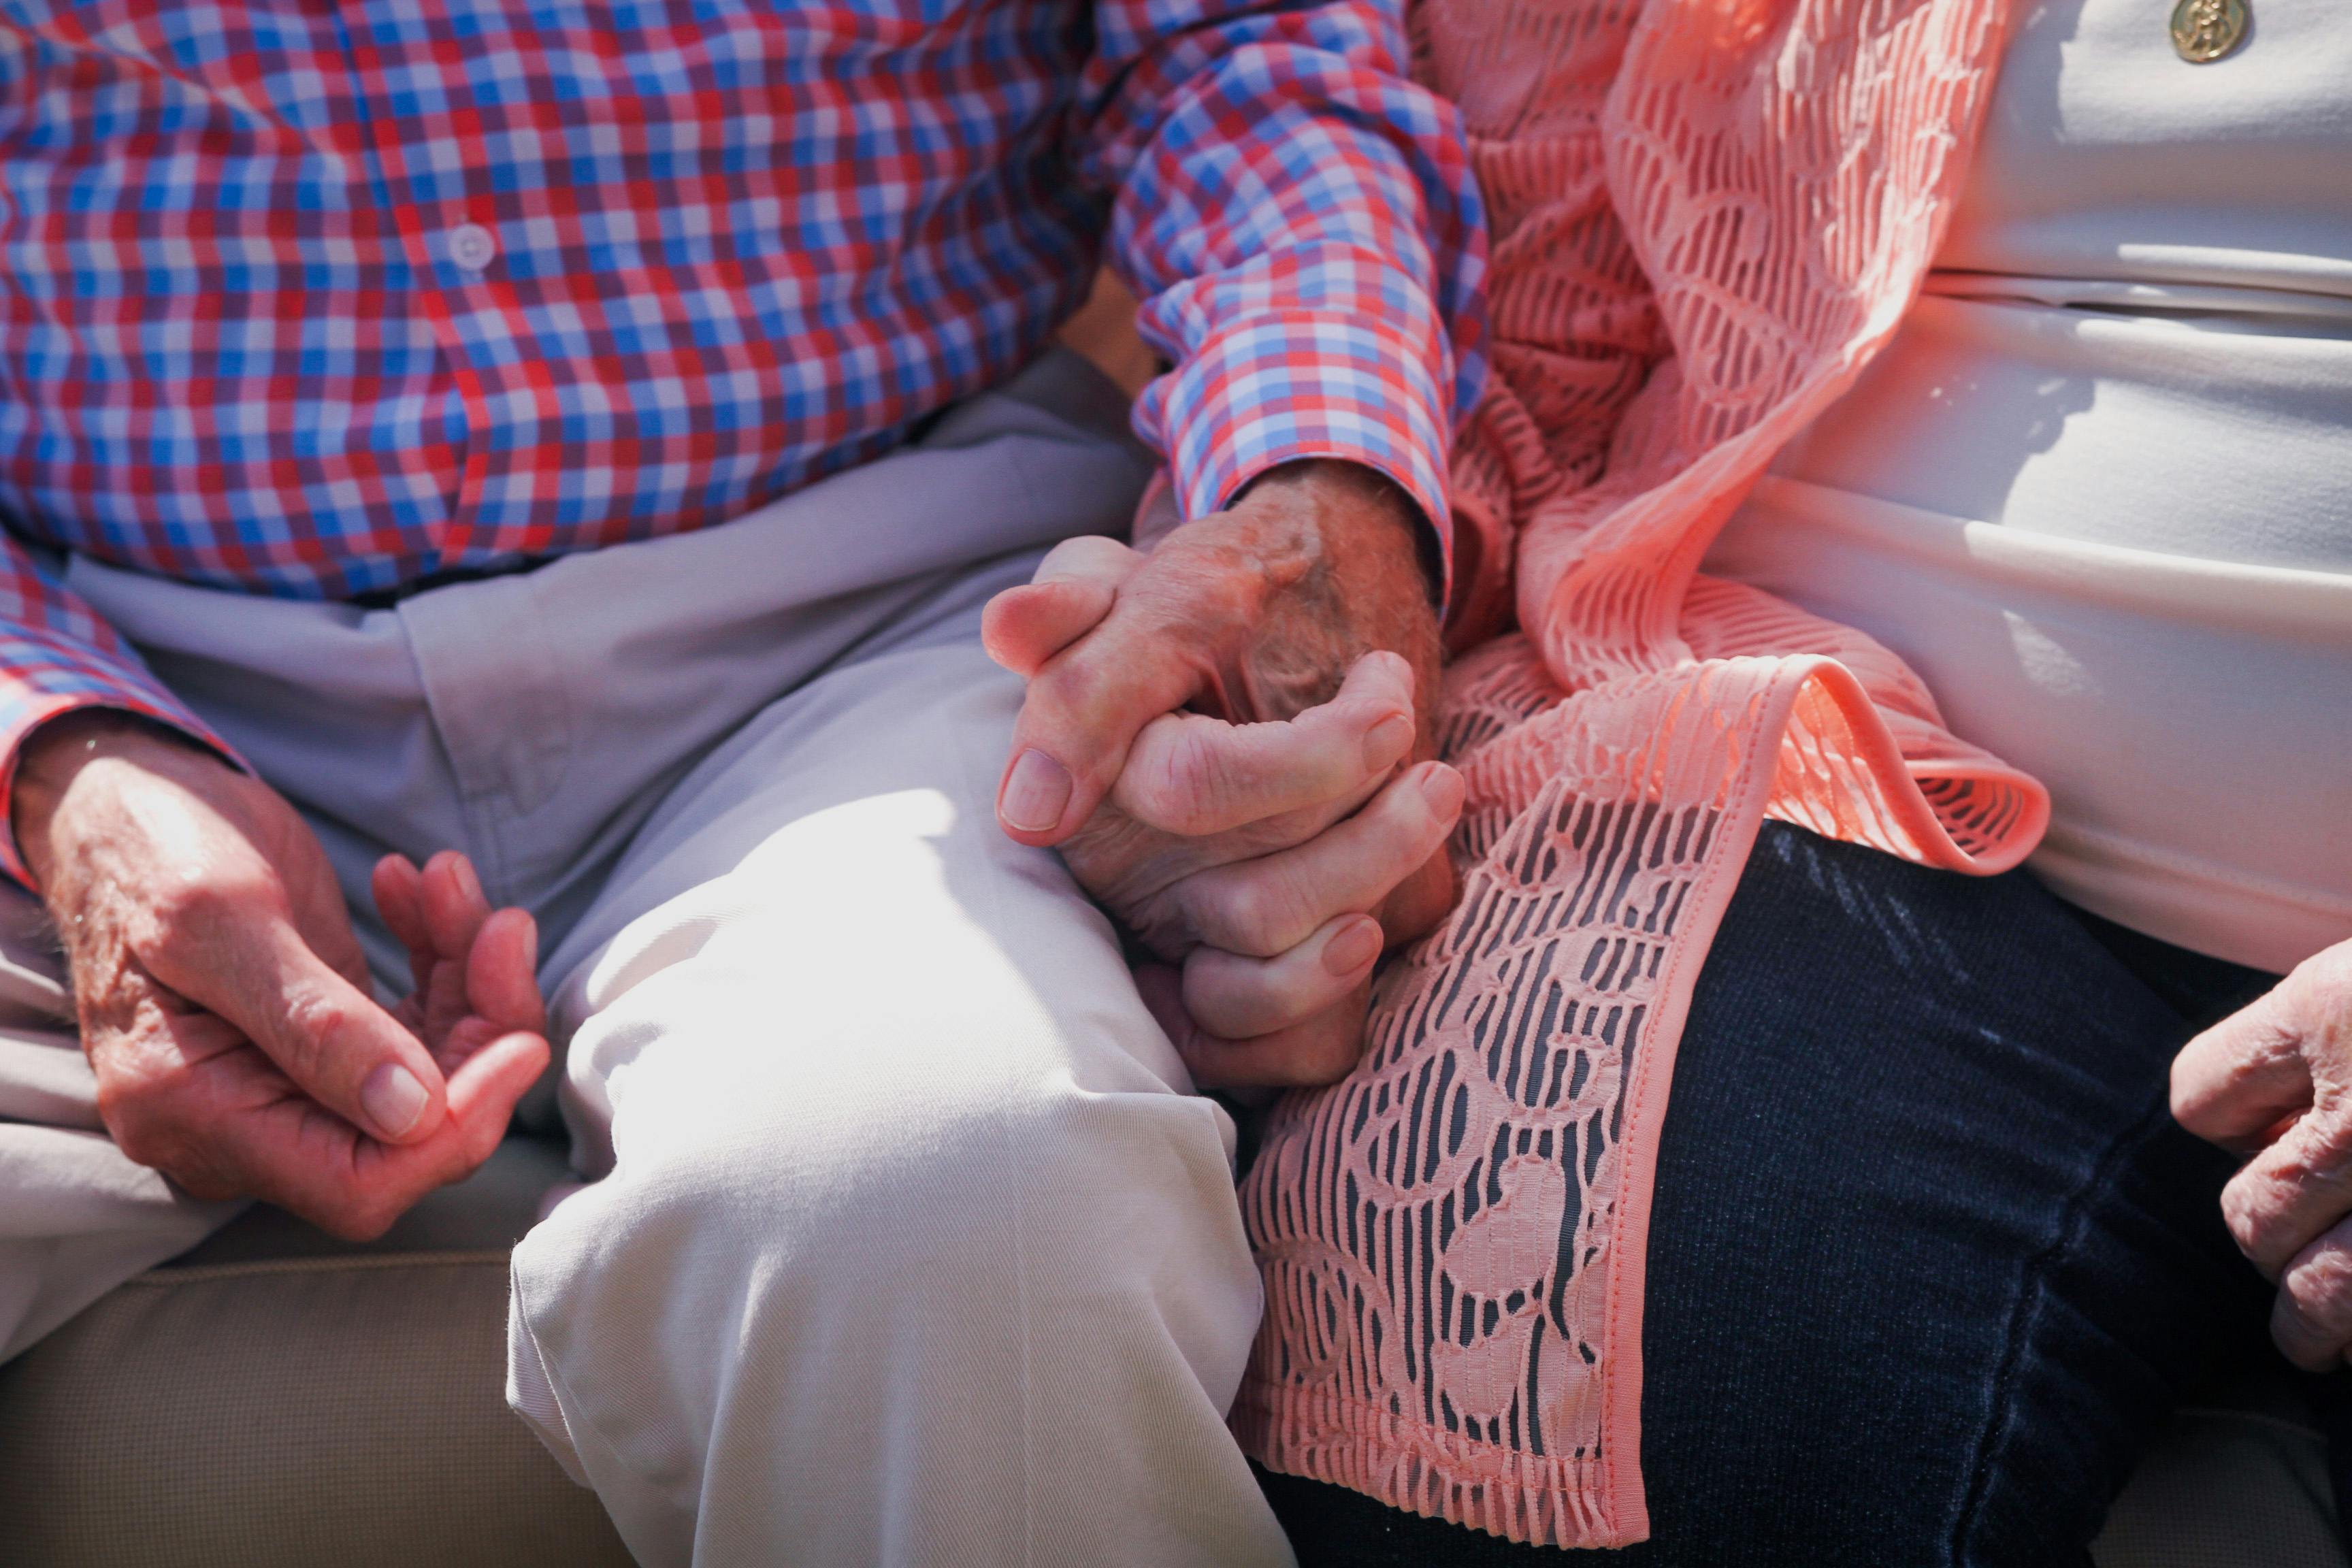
(1709, 215)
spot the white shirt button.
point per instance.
(472, 247)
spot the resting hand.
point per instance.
(1274, 839)
(223, 998)
(2275, 1079)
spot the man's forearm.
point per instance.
(55, 754)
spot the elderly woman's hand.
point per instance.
(2275, 1079)
(1219, 737)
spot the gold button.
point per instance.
(2205, 30)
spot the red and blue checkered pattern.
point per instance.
(318, 298)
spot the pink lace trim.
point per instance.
(1709, 215)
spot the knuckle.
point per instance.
(1184, 784)
(1165, 928)
(1213, 999)
(2245, 1212)
(1068, 684)
(2322, 1144)
(126, 1103)
(188, 905)
(2256, 1207)
(1252, 913)
(1093, 557)
(1131, 868)
(158, 1143)
(2319, 1288)
(314, 1028)
(1396, 858)
(138, 1114)
(184, 902)
(140, 1140)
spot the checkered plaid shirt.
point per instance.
(320, 299)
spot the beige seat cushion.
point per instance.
(280, 1398)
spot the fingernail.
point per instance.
(531, 946)
(468, 883)
(1387, 740)
(392, 1099)
(1353, 947)
(1036, 794)
(1442, 788)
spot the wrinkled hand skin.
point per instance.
(2274, 1080)
(1229, 723)
(1315, 567)
(223, 998)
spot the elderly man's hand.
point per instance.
(222, 997)
(2275, 1080)
(1219, 736)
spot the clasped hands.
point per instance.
(1219, 737)
(1214, 735)
(1228, 740)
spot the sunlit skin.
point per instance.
(223, 1002)
(1228, 738)
(1271, 842)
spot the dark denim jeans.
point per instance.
(1929, 1259)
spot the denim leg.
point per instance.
(1928, 1258)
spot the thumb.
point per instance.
(2238, 1080)
(2236, 1083)
(1072, 591)
(1083, 712)
(337, 1045)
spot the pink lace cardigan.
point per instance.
(1708, 214)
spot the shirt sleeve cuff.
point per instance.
(1280, 388)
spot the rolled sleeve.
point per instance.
(1300, 224)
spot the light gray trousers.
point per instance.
(905, 1242)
